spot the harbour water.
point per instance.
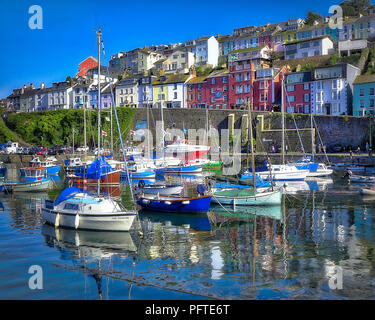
(286, 252)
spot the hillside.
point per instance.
(50, 128)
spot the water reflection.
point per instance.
(281, 252)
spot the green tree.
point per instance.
(311, 17)
(354, 8)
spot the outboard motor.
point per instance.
(141, 184)
(201, 190)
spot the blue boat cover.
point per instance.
(67, 194)
(97, 169)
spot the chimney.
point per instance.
(31, 86)
(42, 85)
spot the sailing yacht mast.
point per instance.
(99, 33)
(282, 123)
(312, 136)
(250, 128)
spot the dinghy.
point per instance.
(246, 197)
(367, 192)
(164, 190)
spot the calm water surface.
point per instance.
(284, 252)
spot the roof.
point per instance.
(248, 49)
(197, 79)
(364, 79)
(175, 78)
(218, 73)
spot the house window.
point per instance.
(291, 98)
(225, 79)
(225, 88)
(362, 92)
(290, 88)
(306, 97)
(247, 88)
(200, 86)
(191, 97)
(175, 86)
(247, 76)
(334, 84)
(199, 96)
(239, 89)
(212, 99)
(175, 95)
(334, 95)
(306, 86)
(239, 77)
(371, 91)
(316, 53)
(212, 90)
(213, 81)
(371, 103)
(362, 103)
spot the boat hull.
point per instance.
(101, 222)
(187, 169)
(162, 190)
(320, 173)
(166, 204)
(27, 186)
(260, 199)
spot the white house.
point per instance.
(309, 48)
(60, 96)
(332, 89)
(145, 91)
(206, 51)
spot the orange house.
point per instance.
(86, 65)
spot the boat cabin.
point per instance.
(35, 174)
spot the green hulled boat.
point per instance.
(213, 165)
(248, 197)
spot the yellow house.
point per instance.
(160, 92)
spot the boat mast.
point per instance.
(312, 135)
(73, 140)
(250, 128)
(282, 123)
(99, 33)
(111, 134)
(84, 127)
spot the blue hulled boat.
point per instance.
(198, 204)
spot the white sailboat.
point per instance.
(75, 208)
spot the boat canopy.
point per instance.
(97, 169)
(68, 194)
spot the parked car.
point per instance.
(11, 147)
(19, 150)
(336, 148)
(83, 149)
(42, 152)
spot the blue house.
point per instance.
(364, 95)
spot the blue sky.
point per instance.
(67, 37)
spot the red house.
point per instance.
(267, 88)
(196, 93)
(297, 94)
(86, 65)
(217, 89)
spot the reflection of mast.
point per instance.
(284, 236)
(98, 279)
(254, 250)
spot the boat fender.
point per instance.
(201, 189)
(76, 221)
(168, 203)
(146, 201)
(57, 220)
(185, 202)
